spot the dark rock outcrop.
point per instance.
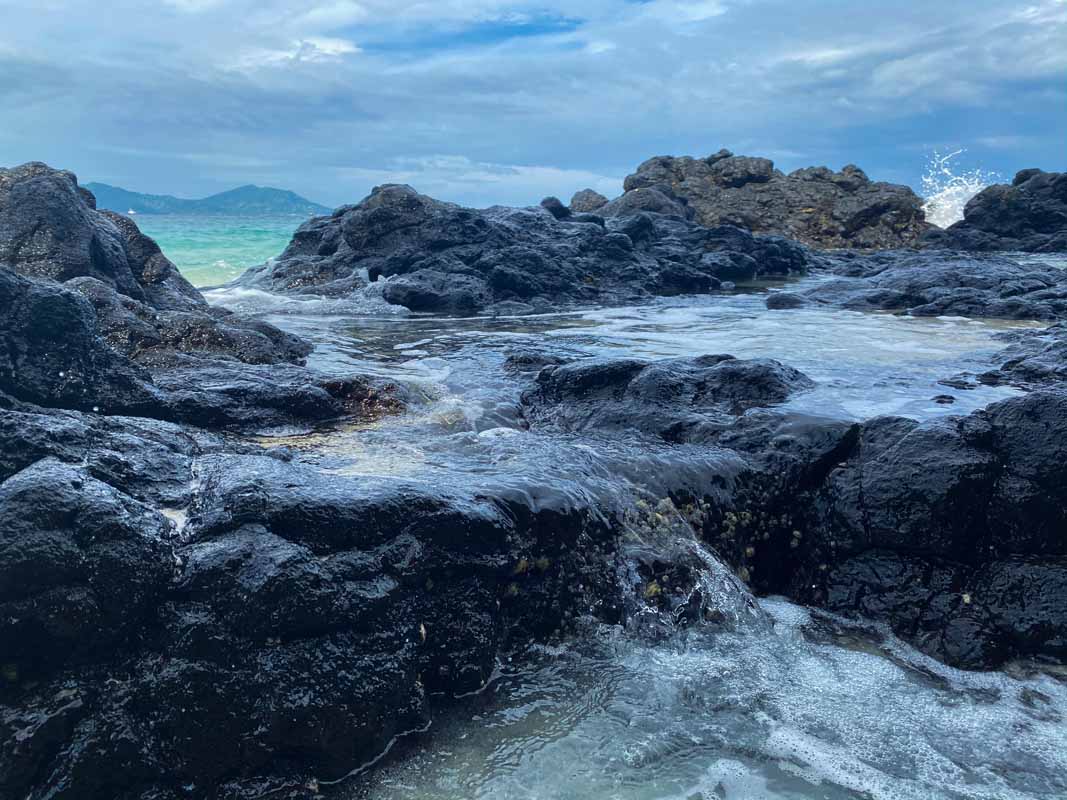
(935, 283)
(815, 206)
(96, 318)
(53, 356)
(50, 228)
(1028, 216)
(950, 530)
(285, 634)
(436, 256)
(1031, 359)
(586, 201)
(667, 398)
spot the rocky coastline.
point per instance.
(186, 613)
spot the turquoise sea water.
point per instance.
(210, 250)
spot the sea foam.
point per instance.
(947, 191)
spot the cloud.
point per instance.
(458, 178)
(525, 97)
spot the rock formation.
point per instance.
(1029, 216)
(936, 283)
(434, 256)
(815, 206)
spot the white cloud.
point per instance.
(324, 94)
(458, 178)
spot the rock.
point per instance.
(82, 568)
(1028, 216)
(296, 613)
(815, 206)
(1034, 358)
(98, 319)
(54, 356)
(948, 530)
(777, 301)
(440, 257)
(50, 228)
(936, 283)
(587, 200)
(556, 208)
(431, 290)
(158, 338)
(643, 199)
(667, 398)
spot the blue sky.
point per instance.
(486, 101)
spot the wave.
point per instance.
(947, 191)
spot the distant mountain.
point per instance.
(243, 200)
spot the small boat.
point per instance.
(131, 212)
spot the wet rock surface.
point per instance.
(189, 612)
(434, 256)
(936, 283)
(926, 526)
(1028, 216)
(816, 206)
(98, 319)
(670, 398)
(284, 634)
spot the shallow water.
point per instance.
(782, 707)
(803, 710)
(864, 364)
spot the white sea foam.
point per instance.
(947, 191)
(368, 302)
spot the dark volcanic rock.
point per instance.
(98, 319)
(935, 283)
(293, 628)
(1028, 216)
(948, 530)
(933, 528)
(53, 356)
(82, 567)
(1034, 358)
(815, 206)
(437, 256)
(50, 228)
(668, 398)
(586, 201)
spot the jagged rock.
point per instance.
(949, 530)
(586, 201)
(1028, 216)
(100, 320)
(437, 256)
(555, 207)
(53, 355)
(936, 283)
(82, 568)
(667, 398)
(815, 206)
(1034, 358)
(50, 228)
(297, 625)
(644, 199)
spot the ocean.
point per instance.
(210, 250)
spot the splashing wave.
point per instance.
(947, 191)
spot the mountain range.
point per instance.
(243, 200)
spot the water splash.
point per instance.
(947, 191)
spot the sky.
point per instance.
(507, 101)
